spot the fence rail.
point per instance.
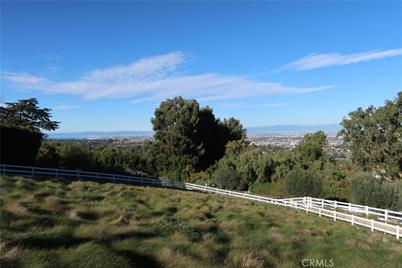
(382, 220)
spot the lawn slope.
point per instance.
(50, 223)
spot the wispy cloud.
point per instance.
(65, 107)
(243, 106)
(52, 68)
(315, 61)
(53, 60)
(156, 78)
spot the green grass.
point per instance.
(51, 223)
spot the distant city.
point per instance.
(270, 138)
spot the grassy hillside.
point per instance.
(53, 223)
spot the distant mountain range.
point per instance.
(251, 130)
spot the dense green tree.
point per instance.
(177, 145)
(310, 149)
(233, 129)
(374, 136)
(27, 114)
(19, 146)
(20, 134)
(283, 162)
(254, 165)
(188, 137)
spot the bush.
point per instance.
(48, 156)
(299, 182)
(273, 188)
(75, 156)
(370, 191)
(226, 177)
(19, 145)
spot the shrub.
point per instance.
(370, 191)
(227, 178)
(273, 188)
(47, 156)
(299, 182)
(74, 155)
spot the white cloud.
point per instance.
(65, 107)
(242, 105)
(315, 61)
(155, 78)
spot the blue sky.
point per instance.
(106, 66)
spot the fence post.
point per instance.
(397, 232)
(322, 203)
(334, 215)
(366, 211)
(33, 172)
(319, 212)
(353, 219)
(372, 225)
(350, 207)
(386, 215)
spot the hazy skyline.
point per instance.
(105, 66)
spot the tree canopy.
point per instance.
(188, 137)
(374, 136)
(27, 114)
(311, 149)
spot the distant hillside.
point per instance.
(295, 128)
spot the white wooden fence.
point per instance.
(382, 220)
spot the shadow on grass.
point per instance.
(5, 263)
(136, 234)
(50, 243)
(139, 260)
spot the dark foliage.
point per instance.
(371, 191)
(301, 182)
(27, 114)
(19, 145)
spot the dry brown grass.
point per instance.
(17, 208)
(358, 243)
(276, 235)
(172, 258)
(251, 261)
